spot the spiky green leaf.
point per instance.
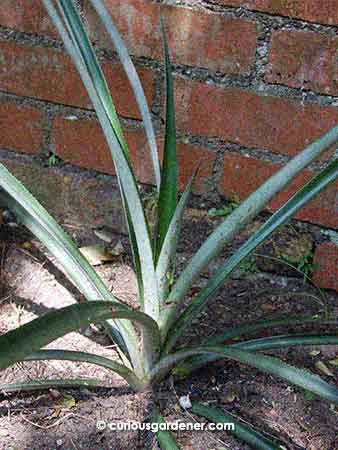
(84, 58)
(15, 345)
(135, 83)
(296, 202)
(246, 211)
(34, 216)
(40, 385)
(242, 431)
(168, 250)
(268, 343)
(169, 182)
(164, 438)
(69, 355)
(299, 377)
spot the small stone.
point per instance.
(71, 118)
(185, 402)
(54, 393)
(229, 397)
(267, 307)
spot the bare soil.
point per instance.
(31, 284)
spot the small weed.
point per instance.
(309, 396)
(248, 265)
(53, 160)
(305, 265)
(226, 210)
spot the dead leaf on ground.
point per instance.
(99, 254)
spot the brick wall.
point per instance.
(255, 81)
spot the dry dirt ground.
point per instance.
(66, 418)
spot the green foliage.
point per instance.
(248, 265)
(304, 265)
(53, 160)
(150, 354)
(225, 211)
(241, 430)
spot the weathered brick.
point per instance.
(326, 266)
(202, 39)
(303, 59)
(48, 74)
(323, 11)
(81, 142)
(188, 158)
(242, 175)
(28, 16)
(259, 121)
(323, 209)
(21, 128)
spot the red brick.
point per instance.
(196, 38)
(242, 175)
(246, 118)
(81, 142)
(321, 11)
(188, 158)
(323, 209)
(21, 128)
(48, 74)
(326, 258)
(304, 59)
(28, 16)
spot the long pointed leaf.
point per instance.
(299, 377)
(127, 331)
(85, 50)
(28, 209)
(40, 385)
(34, 216)
(268, 343)
(89, 74)
(80, 37)
(77, 31)
(68, 355)
(169, 183)
(242, 431)
(258, 325)
(287, 340)
(134, 81)
(164, 438)
(304, 195)
(247, 210)
(15, 345)
(168, 250)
